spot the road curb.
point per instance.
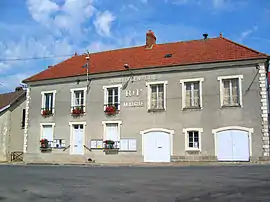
(174, 164)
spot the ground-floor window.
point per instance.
(47, 131)
(193, 138)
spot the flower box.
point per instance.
(109, 147)
(46, 112)
(111, 110)
(76, 111)
(111, 151)
(45, 146)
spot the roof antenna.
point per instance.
(86, 65)
(205, 36)
(126, 66)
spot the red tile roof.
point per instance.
(8, 98)
(183, 53)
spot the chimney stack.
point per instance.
(150, 39)
(19, 88)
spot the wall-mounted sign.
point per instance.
(135, 78)
(133, 104)
(131, 93)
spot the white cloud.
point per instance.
(103, 23)
(68, 17)
(41, 10)
(247, 33)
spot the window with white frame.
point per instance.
(156, 95)
(48, 102)
(192, 93)
(112, 132)
(193, 138)
(112, 96)
(47, 132)
(78, 99)
(230, 90)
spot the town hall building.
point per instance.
(198, 100)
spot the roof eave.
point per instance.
(4, 108)
(150, 67)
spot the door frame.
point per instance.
(71, 127)
(170, 132)
(249, 130)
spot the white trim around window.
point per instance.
(183, 83)
(186, 133)
(119, 86)
(148, 84)
(43, 100)
(104, 123)
(72, 104)
(240, 79)
(46, 124)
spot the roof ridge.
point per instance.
(125, 48)
(243, 46)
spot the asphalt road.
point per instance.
(135, 184)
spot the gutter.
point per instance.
(4, 108)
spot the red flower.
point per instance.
(110, 109)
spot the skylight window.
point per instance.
(168, 55)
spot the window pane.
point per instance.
(153, 96)
(196, 94)
(226, 92)
(48, 100)
(79, 98)
(113, 97)
(188, 95)
(110, 100)
(116, 98)
(82, 97)
(235, 91)
(160, 104)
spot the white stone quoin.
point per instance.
(264, 111)
(26, 120)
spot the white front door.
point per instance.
(233, 145)
(157, 147)
(77, 139)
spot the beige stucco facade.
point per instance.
(134, 117)
(11, 131)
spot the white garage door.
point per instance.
(232, 145)
(157, 147)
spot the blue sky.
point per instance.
(37, 28)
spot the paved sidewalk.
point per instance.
(171, 164)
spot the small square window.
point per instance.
(193, 139)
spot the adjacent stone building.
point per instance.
(12, 123)
(203, 100)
